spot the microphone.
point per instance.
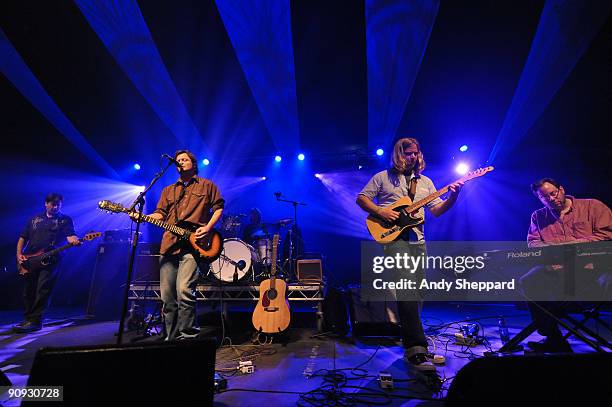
(277, 194)
(172, 160)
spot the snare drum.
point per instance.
(236, 261)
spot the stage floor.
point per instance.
(296, 364)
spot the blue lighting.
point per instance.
(379, 152)
(463, 148)
(301, 157)
(136, 166)
(278, 158)
(206, 161)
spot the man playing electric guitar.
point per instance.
(196, 200)
(42, 231)
(403, 179)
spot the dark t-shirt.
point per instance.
(41, 231)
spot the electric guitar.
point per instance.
(271, 314)
(208, 247)
(49, 257)
(386, 232)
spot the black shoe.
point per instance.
(27, 327)
(420, 362)
(551, 345)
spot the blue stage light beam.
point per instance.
(20, 75)
(124, 32)
(260, 32)
(397, 33)
(564, 32)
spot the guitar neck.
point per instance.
(419, 204)
(58, 250)
(165, 225)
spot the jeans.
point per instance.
(178, 276)
(409, 305)
(37, 291)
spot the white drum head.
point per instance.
(235, 261)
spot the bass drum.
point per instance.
(235, 263)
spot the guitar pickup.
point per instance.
(271, 309)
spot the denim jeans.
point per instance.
(178, 278)
(37, 292)
(409, 305)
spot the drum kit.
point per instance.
(242, 262)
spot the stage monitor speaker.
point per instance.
(527, 379)
(372, 318)
(174, 373)
(309, 271)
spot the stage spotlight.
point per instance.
(379, 152)
(278, 158)
(263, 178)
(205, 161)
(360, 167)
(463, 148)
(136, 166)
(462, 169)
(301, 157)
(318, 176)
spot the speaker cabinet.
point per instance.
(176, 373)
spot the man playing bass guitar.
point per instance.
(42, 231)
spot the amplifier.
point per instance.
(310, 271)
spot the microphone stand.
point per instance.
(291, 235)
(139, 201)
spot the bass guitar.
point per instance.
(271, 314)
(207, 247)
(386, 232)
(49, 257)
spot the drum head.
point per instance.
(235, 261)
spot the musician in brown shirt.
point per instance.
(195, 200)
(564, 219)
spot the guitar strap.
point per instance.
(411, 185)
(176, 201)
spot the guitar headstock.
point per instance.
(476, 173)
(111, 206)
(91, 236)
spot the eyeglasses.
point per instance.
(549, 196)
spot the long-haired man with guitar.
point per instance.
(198, 201)
(40, 233)
(404, 179)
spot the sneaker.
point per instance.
(27, 327)
(551, 345)
(420, 362)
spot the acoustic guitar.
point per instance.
(208, 247)
(271, 315)
(386, 232)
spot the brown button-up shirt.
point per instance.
(196, 204)
(588, 220)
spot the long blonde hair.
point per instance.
(398, 163)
